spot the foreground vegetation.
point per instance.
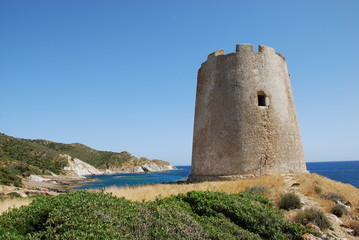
(190, 214)
(196, 215)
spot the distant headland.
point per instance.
(50, 166)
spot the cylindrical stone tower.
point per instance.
(245, 118)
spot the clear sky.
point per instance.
(121, 75)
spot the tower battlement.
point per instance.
(246, 48)
(245, 118)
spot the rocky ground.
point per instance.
(338, 231)
(44, 185)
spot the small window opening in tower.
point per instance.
(262, 99)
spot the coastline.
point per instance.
(126, 179)
(57, 184)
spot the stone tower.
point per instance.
(245, 118)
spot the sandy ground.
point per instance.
(59, 184)
(49, 185)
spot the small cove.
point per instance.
(135, 179)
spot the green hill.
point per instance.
(99, 159)
(23, 157)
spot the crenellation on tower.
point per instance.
(244, 48)
(265, 49)
(280, 55)
(216, 53)
(245, 118)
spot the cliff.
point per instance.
(143, 165)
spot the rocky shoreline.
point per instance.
(57, 184)
(48, 185)
(77, 172)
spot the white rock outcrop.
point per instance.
(168, 167)
(150, 166)
(80, 168)
(138, 169)
(153, 167)
(36, 178)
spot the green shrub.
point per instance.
(13, 194)
(2, 196)
(318, 190)
(313, 216)
(333, 197)
(339, 210)
(289, 201)
(17, 184)
(197, 215)
(257, 189)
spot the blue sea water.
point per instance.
(344, 171)
(135, 179)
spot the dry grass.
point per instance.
(308, 184)
(349, 192)
(275, 183)
(13, 203)
(151, 192)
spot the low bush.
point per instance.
(13, 194)
(339, 210)
(289, 201)
(318, 190)
(18, 184)
(313, 216)
(196, 215)
(257, 189)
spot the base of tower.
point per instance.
(203, 178)
(192, 178)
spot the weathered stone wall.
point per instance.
(233, 135)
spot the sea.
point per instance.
(342, 171)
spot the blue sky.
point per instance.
(121, 75)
